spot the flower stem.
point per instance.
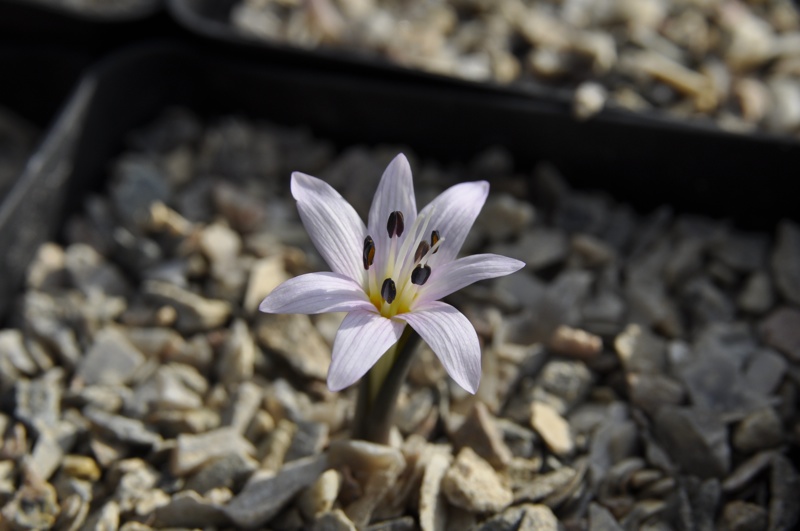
(378, 390)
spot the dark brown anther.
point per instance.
(435, 240)
(388, 290)
(396, 224)
(420, 274)
(422, 250)
(369, 252)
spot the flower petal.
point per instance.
(452, 338)
(333, 225)
(361, 340)
(394, 192)
(462, 272)
(317, 293)
(453, 213)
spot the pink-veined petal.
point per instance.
(395, 192)
(317, 293)
(452, 338)
(361, 340)
(333, 225)
(453, 213)
(453, 276)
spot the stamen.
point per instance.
(388, 290)
(422, 250)
(369, 252)
(396, 224)
(420, 274)
(434, 239)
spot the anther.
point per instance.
(420, 274)
(369, 252)
(395, 225)
(435, 240)
(388, 290)
(422, 250)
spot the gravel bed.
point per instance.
(734, 62)
(640, 373)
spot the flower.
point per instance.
(391, 273)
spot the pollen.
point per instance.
(369, 252)
(420, 274)
(396, 224)
(434, 240)
(422, 250)
(388, 290)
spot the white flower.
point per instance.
(391, 273)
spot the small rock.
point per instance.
(756, 295)
(405, 523)
(781, 330)
(13, 351)
(137, 184)
(375, 467)
(765, 371)
(173, 390)
(34, 505)
(46, 271)
(111, 360)
(715, 383)
(745, 472)
(526, 517)
(552, 428)
(123, 429)
(296, 340)
(695, 439)
(600, 519)
(106, 518)
(81, 467)
(538, 248)
(39, 401)
(742, 516)
(193, 451)
(759, 430)
(432, 508)
(266, 274)
(228, 471)
(309, 439)
(575, 342)
(784, 484)
(563, 383)
(220, 243)
(503, 216)
(651, 392)
(243, 406)
(480, 432)
(320, 497)
(195, 313)
(589, 99)
(237, 359)
(266, 493)
(334, 520)
(472, 484)
(641, 351)
(742, 251)
(544, 485)
(786, 261)
(89, 272)
(187, 509)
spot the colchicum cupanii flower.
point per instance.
(391, 273)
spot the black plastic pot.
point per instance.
(747, 180)
(97, 31)
(41, 88)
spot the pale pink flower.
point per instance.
(391, 273)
